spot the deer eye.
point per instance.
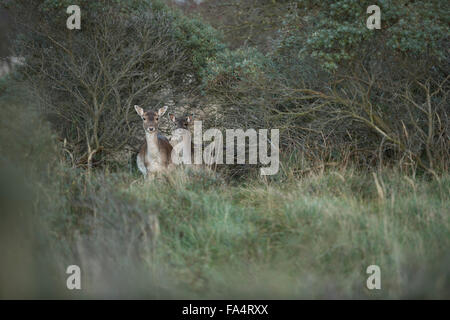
(156, 118)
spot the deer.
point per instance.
(181, 137)
(155, 154)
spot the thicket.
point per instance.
(339, 93)
(126, 53)
(342, 93)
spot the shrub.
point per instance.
(127, 52)
(335, 31)
(340, 92)
(229, 66)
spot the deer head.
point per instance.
(150, 118)
(181, 122)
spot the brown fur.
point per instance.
(155, 154)
(164, 147)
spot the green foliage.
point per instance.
(228, 66)
(335, 31)
(197, 38)
(203, 41)
(26, 140)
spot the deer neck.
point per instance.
(152, 142)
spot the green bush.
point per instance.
(335, 31)
(229, 66)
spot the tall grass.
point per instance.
(303, 234)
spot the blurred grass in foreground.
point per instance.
(308, 237)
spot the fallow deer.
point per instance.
(181, 138)
(155, 154)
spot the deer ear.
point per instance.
(189, 119)
(162, 110)
(172, 117)
(139, 110)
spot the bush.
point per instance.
(128, 52)
(335, 31)
(339, 92)
(226, 68)
(385, 89)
